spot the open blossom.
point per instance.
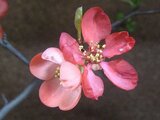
(3, 8)
(61, 87)
(67, 72)
(96, 27)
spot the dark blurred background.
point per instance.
(34, 25)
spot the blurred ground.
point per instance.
(34, 25)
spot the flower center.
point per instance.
(57, 72)
(94, 53)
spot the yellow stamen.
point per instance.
(103, 46)
(98, 46)
(97, 55)
(94, 55)
(100, 51)
(98, 60)
(57, 72)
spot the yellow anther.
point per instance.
(98, 60)
(100, 51)
(81, 47)
(97, 55)
(103, 46)
(101, 56)
(92, 58)
(57, 72)
(94, 55)
(91, 55)
(98, 46)
(92, 49)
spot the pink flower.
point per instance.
(3, 8)
(62, 80)
(96, 26)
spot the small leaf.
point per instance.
(120, 15)
(129, 2)
(136, 2)
(133, 3)
(131, 25)
(77, 21)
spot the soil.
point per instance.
(34, 25)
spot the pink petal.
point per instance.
(54, 55)
(70, 75)
(3, 8)
(42, 69)
(70, 98)
(118, 43)
(95, 25)
(51, 93)
(92, 85)
(1, 32)
(70, 49)
(120, 73)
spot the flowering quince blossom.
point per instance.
(96, 26)
(68, 70)
(61, 87)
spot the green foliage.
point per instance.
(77, 20)
(130, 25)
(133, 3)
(120, 15)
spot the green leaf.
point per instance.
(136, 2)
(131, 25)
(120, 15)
(129, 2)
(133, 3)
(77, 21)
